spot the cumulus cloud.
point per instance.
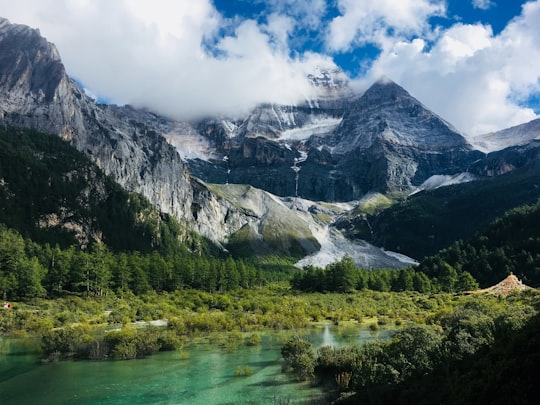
(306, 13)
(363, 22)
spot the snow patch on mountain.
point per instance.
(284, 115)
(317, 126)
(442, 180)
(231, 129)
(189, 143)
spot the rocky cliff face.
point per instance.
(37, 93)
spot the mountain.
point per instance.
(514, 136)
(429, 220)
(384, 141)
(509, 245)
(37, 93)
(336, 147)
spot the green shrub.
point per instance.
(243, 371)
(254, 340)
(298, 356)
(69, 341)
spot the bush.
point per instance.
(254, 340)
(244, 371)
(299, 357)
(69, 341)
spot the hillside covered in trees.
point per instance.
(428, 221)
(511, 244)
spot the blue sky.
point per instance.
(496, 14)
(474, 62)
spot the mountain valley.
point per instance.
(339, 249)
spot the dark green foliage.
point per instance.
(125, 344)
(428, 221)
(20, 274)
(28, 270)
(511, 244)
(299, 357)
(69, 341)
(412, 352)
(481, 352)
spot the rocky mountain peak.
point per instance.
(384, 90)
(28, 63)
(330, 83)
(329, 78)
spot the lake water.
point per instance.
(200, 374)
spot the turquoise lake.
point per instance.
(202, 373)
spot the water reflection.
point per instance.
(328, 338)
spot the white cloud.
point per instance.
(482, 4)
(156, 54)
(306, 13)
(363, 22)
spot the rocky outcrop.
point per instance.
(507, 286)
(507, 160)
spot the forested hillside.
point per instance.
(66, 227)
(511, 244)
(431, 220)
(29, 270)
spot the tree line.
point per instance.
(511, 244)
(344, 276)
(29, 270)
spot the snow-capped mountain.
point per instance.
(383, 140)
